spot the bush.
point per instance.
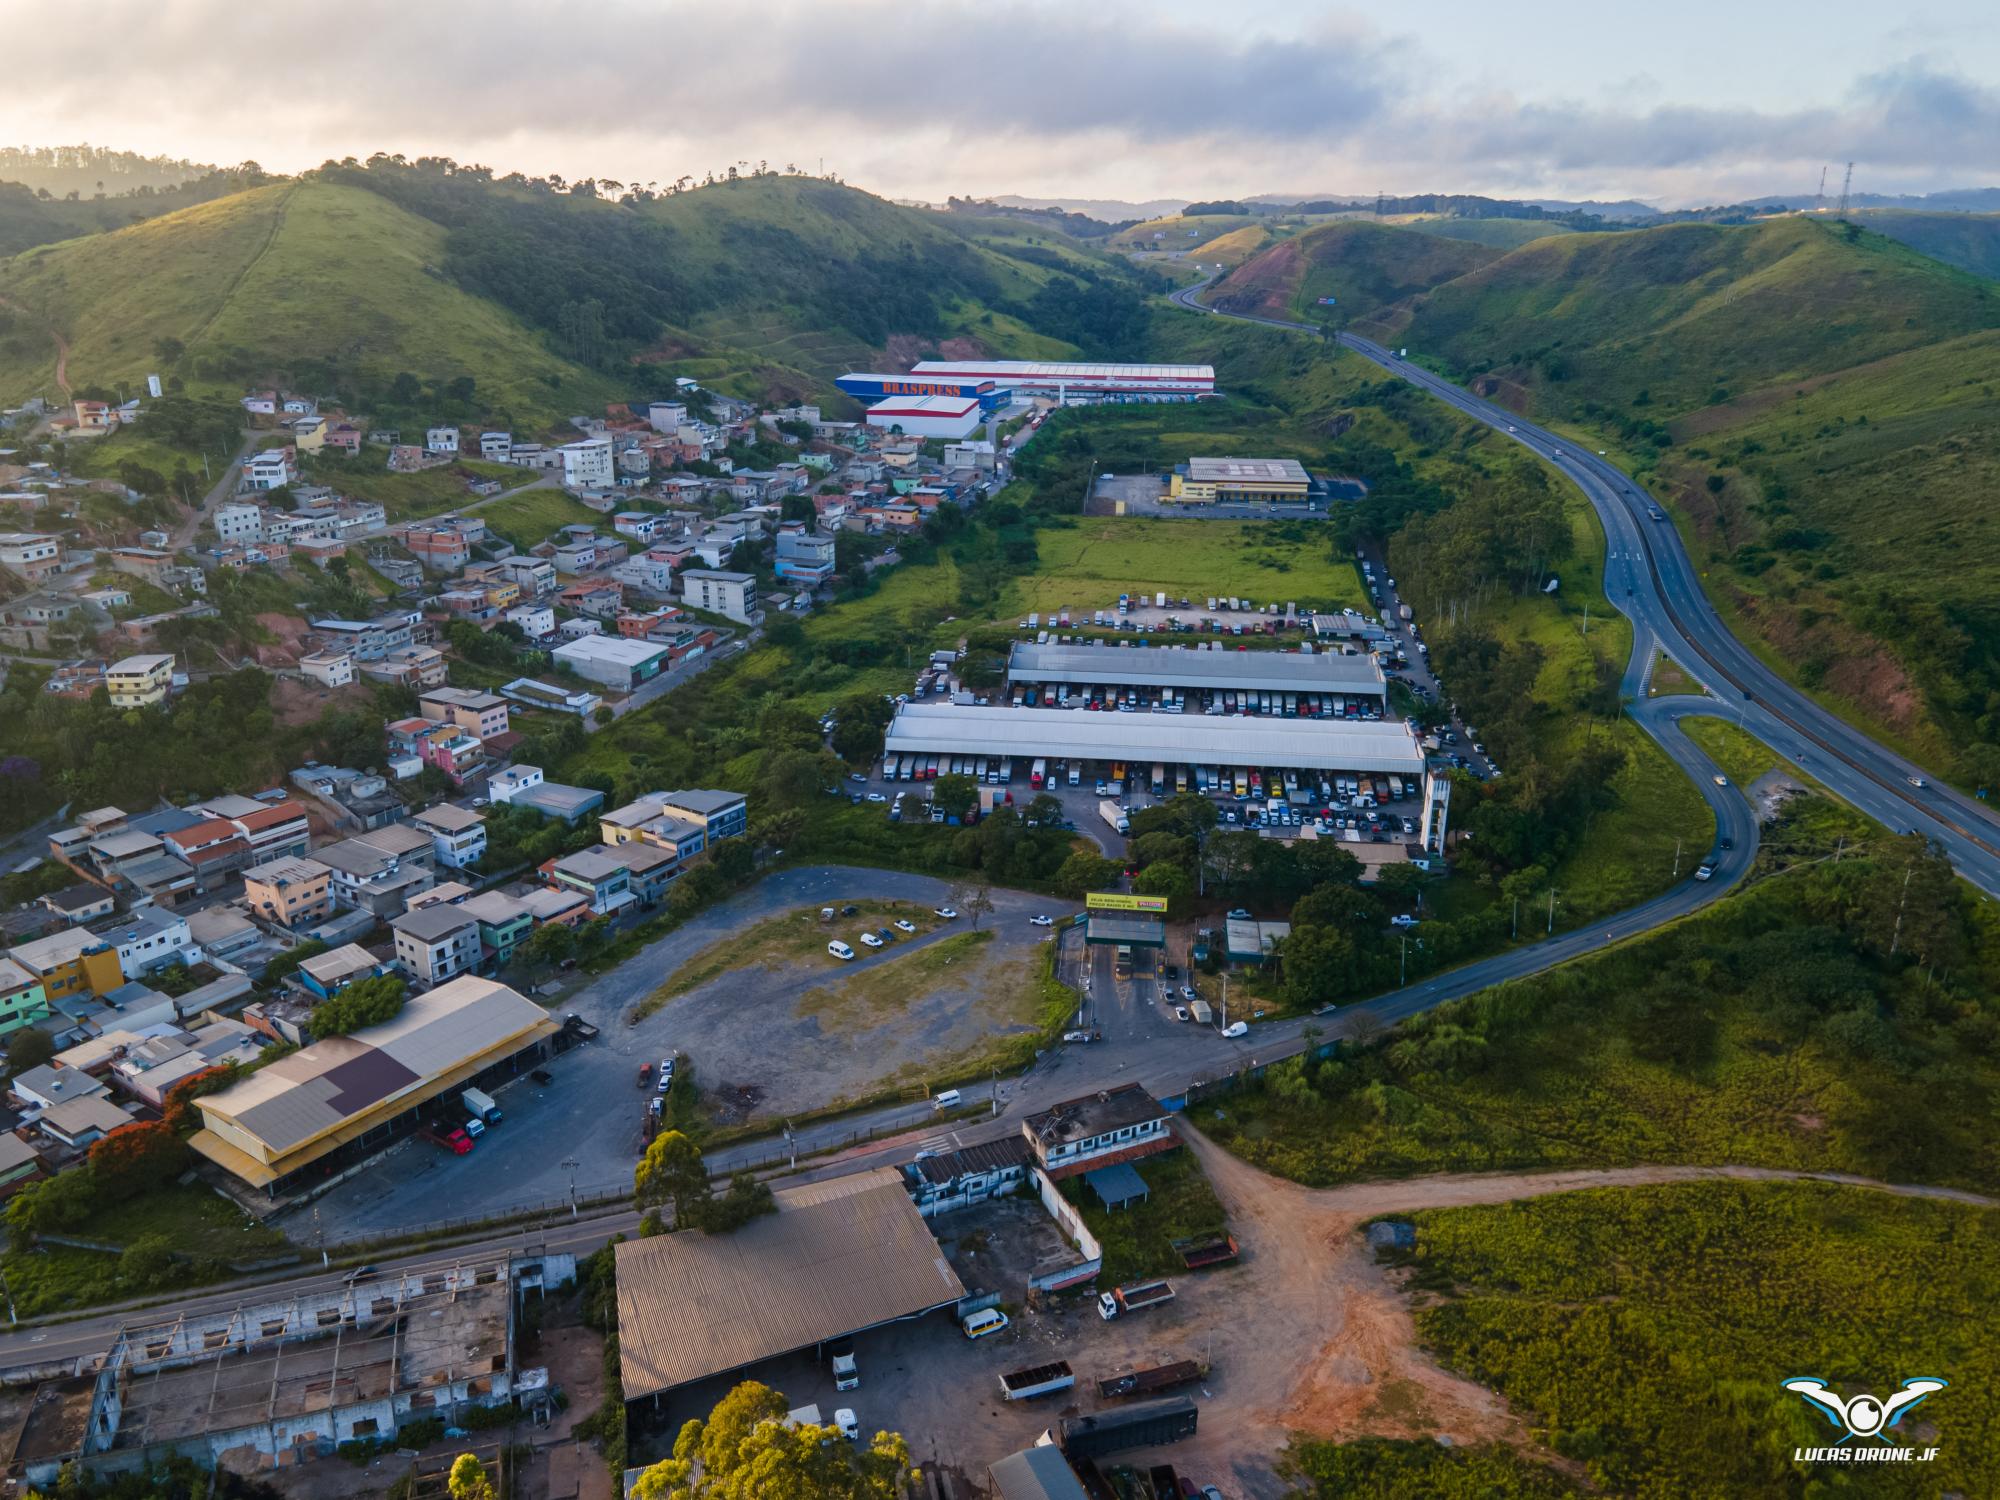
(366, 1002)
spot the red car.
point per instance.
(645, 1074)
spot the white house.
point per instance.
(732, 595)
(240, 521)
(497, 447)
(587, 463)
(271, 469)
(441, 440)
(535, 620)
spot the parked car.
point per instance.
(1236, 1028)
(838, 949)
(1041, 921)
(870, 940)
(1402, 919)
(948, 913)
(1180, 1012)
(979, 1324)
(877, 797)
(645, 1074)
(904, 924)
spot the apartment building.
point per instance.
(140, 681)
(435, 943)
(481, 714)
(731, 595)
(458, 836)
(291, 892)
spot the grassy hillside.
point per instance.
(1500, 234)
(1235, 247)
(303, 283)
(1689, 314)
(1970, 242)
(1364, 264)
(1178, 232)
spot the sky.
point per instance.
(1700, 101)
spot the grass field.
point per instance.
(1648, 1329)
(1138, 1241)
(797, 937)
(1669, 680)
(1811, 827)
(535, 516)
(869, 997)
(408, 497)
(1499, 234)
(1090, 566)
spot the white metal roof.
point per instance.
(1036, 369)
(1171, 666)
(1239, 470)
(1169, 739)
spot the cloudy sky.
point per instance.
(1699, 100)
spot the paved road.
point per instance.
(1651, 580)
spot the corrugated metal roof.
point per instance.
(1168, 739)
(1035, 369)
(1039, 1473)
(1240, 470)
(838, 1256)
(1169, 666)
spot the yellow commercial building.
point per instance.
(140, 681)
(340, 1099)
(1240, 481)
(73, 962)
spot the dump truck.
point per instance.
(1133, 1297)
(1037, 1380)
(1142, 1426)
(1114, 815)
(1149, 1382)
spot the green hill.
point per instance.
(1500, 234)
(305, 283)
(1969, 241)
(1688, 314)
(1363, 264)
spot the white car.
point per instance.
(839, 949)
(904, 924)
(947, 912)
(877, 797)
(1402, 919)
(848, 1423)
(1237, 1028)
(869, 940)
(1180, 1012)
(1041, 921)
(1722, 781)
(1917, 782)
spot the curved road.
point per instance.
(1650, 579)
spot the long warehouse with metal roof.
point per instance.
(1194, 670)
(1385, 747)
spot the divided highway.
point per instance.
(1650, 579)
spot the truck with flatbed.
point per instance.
(1133, 1297)
(1037, 1380)
(1149, 1382)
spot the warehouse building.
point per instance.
(1071, 384)
(950, 417)
(332, 1104)
(873, 388)
(837, 1257)
(1239, 481)
(1284, 684)
(616, 661)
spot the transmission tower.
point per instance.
(1845, 183)
(1819, 198)
(1380, 202)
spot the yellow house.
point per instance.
(73, 962)
(309, 434)
(289, 891)
(140, 681)
(500, 595)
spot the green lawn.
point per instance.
(1138, 1241)
(1812, 826)
(409, 497)
(533, 517)
(1645, 1332)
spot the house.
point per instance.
(291, 892)
(804, 556)
(96, 417)
(19, 1165)
(46, 1085)
(261, 403)
(647, 625)
(148, 941)
(366, 640)
(458, 836)
(647, 573)
(731, 595)
(75, 961)
(530, 693)
(32, 555)
(140, 681)
(411, 666)
(502, 922)
(1099, 1130)
(958, 1179)
(595, 873)
(649, 870)
(536, 621)
(599, 598)
(223, 932)
(334, 669)
(408, 458)
(309, 434)
(275, 829)
(673, 819)
(369, 877)
(79, 903)
(327, 974)
(441, 549)
(441, 440)
(23, 1001)
(107, 599)
(271, 468)
(637, 524)
(477, 713)
(344, 437)
(496, 447)
(444, 746)
(435, 943)
(536, 576)
(214, 848)
(577, 556)
(587, 463)
(576, 630)
(616, 662)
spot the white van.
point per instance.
(979, 1324)
(839, 949)
(949, 1099)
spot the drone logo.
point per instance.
(1865, 1416)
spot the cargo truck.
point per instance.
(1199, 1009)
(1159, 779)
(481, 1105)
(1038, 774)
(1133, 1297)
(1037, 1380)
(1144, 1425)
(846, 1373)
(1149, 1382)
(1114, 815)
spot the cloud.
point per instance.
(920, 96)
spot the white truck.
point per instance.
(481, 1105)
(1114, 815)
(846, 1374)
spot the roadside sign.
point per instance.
(1119, 901)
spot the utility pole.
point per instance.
(1403, 972)
(1586, 617)
(1552, 908)
(1845, 183)
(1819, 199)
(571, 1163)
(1677, 859)
(993, 1091)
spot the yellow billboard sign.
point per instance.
(1118, 901)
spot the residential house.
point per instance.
(1099, 1130)
(576, 630)
(408, 458)
(477, 713)
(647, 625)
(441, 549)
(80, 1123)
(32, 555)
(223, 932)
(271, 468)
(634, 464)
(650, 820)
(650, 869)
(458, 836)
(95, 417)
(578, 555)
(536, 621)
(803, 556)
(503, 922)
(275, 829)
(79, 903)
(292, 892)
(367, 877)
(334, 669)
(47, 1085)
(140, 681)
(366, 640)
(496, 447)
(260, 403)
(587, 463)
(731, 595)
(597, 598)
(942, 1181)
(435, 943)
(213, 848)
(23, 1001)
(595, 873)
(148, 941)
(535, 575)
(325, 975)
(441, 440)
(344, 437)
(411, 666)
(640, 525)
(530, 693)
(647, 573)
(19, 1165)
(309, 434)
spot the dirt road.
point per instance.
(1316, 1338)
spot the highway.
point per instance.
(1650, 579)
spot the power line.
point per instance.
(1819, 198)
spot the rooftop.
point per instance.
(337, 964)
(1246, 470)
(448, 819)
(1094, 1114)
(289, 870)
(837, 1257)
(430, 924)
(1177, 666)
(619, 649)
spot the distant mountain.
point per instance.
(1364, 265)
(1970, 241)
(1623, 209)
(90, 171)
(1111, 210)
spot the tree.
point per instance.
(671, 1173)
(136, 1157)
(468, 1479)
(1169, 880)
(1084, 872)
(1044, 811)
(147, 1262)
(366, 1002)
(745, 1451)
(29, 1047)
(734, 860)
(954, 794)
(792, 778)
(978, 904)
(548, 944)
